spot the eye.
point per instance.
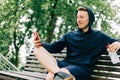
(81, 16)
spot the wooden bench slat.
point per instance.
(14, 75)
(107, 74)
(107, 63)
(36, 70)
(6, 78)
(31, 74)
(54, 54)
(33, 65)
(32, 61)
(108, 68)
(102, 78)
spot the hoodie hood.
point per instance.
(91, 18)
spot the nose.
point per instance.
(78, 19)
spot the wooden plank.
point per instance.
(102, 78)
(36, 70)
(107, 63)
(6, 78)
(63, 55)
(34, 65)
(33, 61)
(31, 58)
(107, 74)
(17, 76)
(42, 75)
(30, 74)
(108, 68)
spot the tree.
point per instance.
(12, 38)
(47, 14)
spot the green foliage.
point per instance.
(11, 36)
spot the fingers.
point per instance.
(36, 36)
(114, 47)
(36, 41)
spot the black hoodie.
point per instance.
(83, 49)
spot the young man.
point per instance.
(84, 48)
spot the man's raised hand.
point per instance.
(37, 41)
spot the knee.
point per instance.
(65, 70)
(49, 76)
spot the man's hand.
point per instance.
(114, 47)
(37, 41)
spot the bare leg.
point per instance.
(46, 59)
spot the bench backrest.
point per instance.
(104, 70)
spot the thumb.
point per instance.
(36, 37)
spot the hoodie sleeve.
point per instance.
(109, 40)
(55, 47)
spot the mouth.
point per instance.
(79, 24)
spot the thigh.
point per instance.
(77, 71)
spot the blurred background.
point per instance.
(51, 19)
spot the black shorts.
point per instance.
(77, 71)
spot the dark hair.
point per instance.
(82, 9)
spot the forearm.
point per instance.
(55, 47)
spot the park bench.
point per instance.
(33, 70)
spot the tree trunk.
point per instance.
(16, 59)
(52, 25)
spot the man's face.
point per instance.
(82, 19)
